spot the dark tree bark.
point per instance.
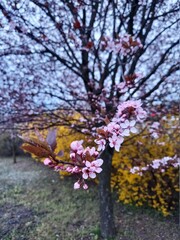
(107, 224)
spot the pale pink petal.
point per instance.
(72, 156)
(92, 168)
(77, 145)
(85, 175)
(88, 164)
(85, 186)
(117, 147)
(98, 170)
(125, 132)
(133, 130)
(132, 123)
(77, 185)
(98, 162)
(120, 140)
(47, 161)
(92, 175)
(124, 125)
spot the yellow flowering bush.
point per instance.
(154, 188)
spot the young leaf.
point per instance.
(37, 151)
(60, 153)
(106, 120)
(35, 142)
(76, 25)
(101, 132)
(51, 139)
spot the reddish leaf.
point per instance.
(101, 132)
(89, 45)
(130, 78)
(76, 24)
(37, 151)
(125, 45)
(106, 120)
(130, 40)
(134, 44)
(35, 142)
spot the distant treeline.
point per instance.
(9, 145)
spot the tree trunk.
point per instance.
(107, 225)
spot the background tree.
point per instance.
(78, 56)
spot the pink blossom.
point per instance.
(92, 151)
(122, 87)
(73, 156)
(95, 165)
(75, 169)
(87, 173)
(136, 104)
(77, 185)
(47, 161)
(155, 135)
(134, 170)
(132, 104)
(128, 127)
(85, 186)
(140, 114)
(101, 144)
(161, 164)
(156, 163)
(115, 142)
(155, 125)
(113, 127)
(92, 168)
(76, 146)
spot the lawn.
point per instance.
(36, 204)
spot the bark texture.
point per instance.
(107, 225)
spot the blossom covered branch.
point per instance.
(85, 162)
(157, 164)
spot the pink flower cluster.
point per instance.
(89, 171)
(157, 164)
(129, 82)
(134, 108)
(84, 161)
(120, 126)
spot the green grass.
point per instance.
(35, 204)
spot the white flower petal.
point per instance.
(88, 164)
(132, 123)
(98, 170)
(85, 175)
(92, 175)
(98, 162)
(125, 132)
(133, 130)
